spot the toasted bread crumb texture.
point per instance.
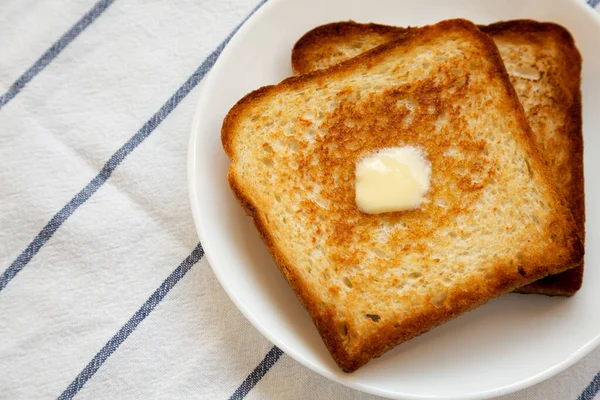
(490, 222)
(544, 66)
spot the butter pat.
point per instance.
(393, 179)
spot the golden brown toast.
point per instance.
(491, 221)
(544, 67)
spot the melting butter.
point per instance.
(392, 179)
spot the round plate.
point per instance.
(508, 344)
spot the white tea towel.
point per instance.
(104, 292)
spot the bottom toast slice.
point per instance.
(544, 67)
(491, 221)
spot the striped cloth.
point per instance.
(104, 291)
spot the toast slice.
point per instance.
(491, 221)
(544, 67)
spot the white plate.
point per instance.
(506, 345)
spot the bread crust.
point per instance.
(326, 39)
(390, 334)
(309, 47)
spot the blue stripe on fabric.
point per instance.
(112, 345)
(593, 3)
(55, 50)
(80, 198)
(256, 375)
(592, 390)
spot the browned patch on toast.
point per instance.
(554, 113)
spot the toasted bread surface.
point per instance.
(370, 282)
(544, 67)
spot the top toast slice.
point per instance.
(491, 220)
(544, 67)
